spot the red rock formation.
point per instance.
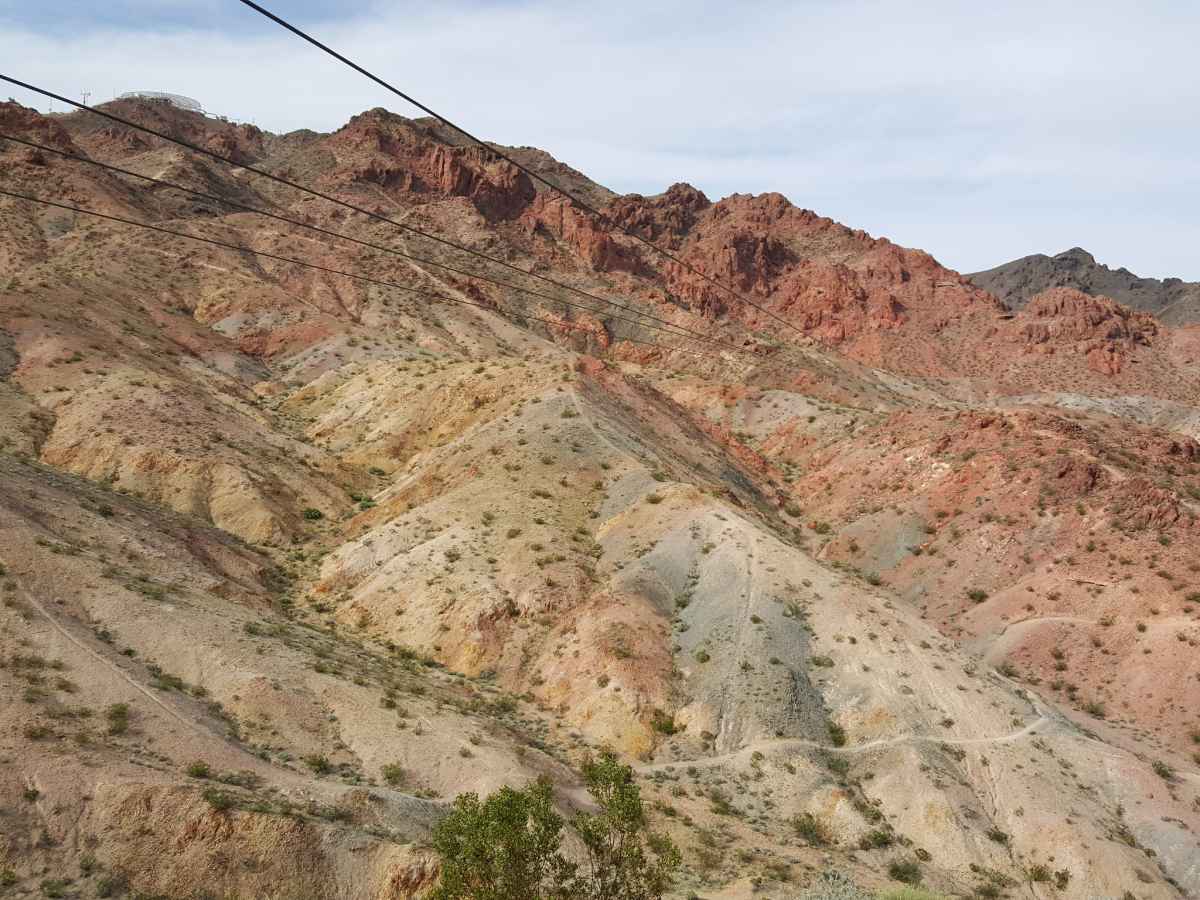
(589, 238)
(380, 148)
(1140, 504)
(1097, 328)
(19, 120)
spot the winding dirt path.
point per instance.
(800, 743)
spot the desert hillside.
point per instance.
(857, 566)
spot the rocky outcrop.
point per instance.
(1097, 328)
(379, 148)
(1140, 504)
(667, 217)
(22, 121)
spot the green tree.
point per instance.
(502, 848)
(507, 846)
(625, 861)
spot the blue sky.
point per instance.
(977, 132)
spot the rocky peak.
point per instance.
(387, 150)
(1171, 300)
(1076, 256)
(670, 215)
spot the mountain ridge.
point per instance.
(1172, 300)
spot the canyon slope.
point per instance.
(857, 566)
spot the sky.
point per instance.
(977, 132)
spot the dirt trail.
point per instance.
(297, 784)
(800, 743)
(100, 658)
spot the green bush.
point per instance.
(218, 799)
(111, 885)
(905, 870)
(118, 718)
(663, 723)
(507, 846)
(909, 893)
(394, 774)
(312, 513)
(812, 830)
(876, 839)
(318, 763)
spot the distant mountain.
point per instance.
(1172, 300)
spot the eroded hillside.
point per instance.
(867, 571)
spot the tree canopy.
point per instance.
(509, 846)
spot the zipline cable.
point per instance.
(335, 234)
(571, 198)
(323, 196)
(331, 271)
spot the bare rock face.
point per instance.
(668, 217)
(1099, 328)
(381, 149)
(1140, 505)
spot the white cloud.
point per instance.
(979, 132)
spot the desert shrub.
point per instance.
(312, 514)
(1095, 709)
(394, 774)
(218, 799)
(838, 765)
(1163, 770)
(909, 893)
(112, 885)
(198, 769)
(318, 763)
(663, 723)
(837, 734)
(906, 870)
(835, 886)
(876, 839)
(976, 595)
(812, 830)
(118, 718)
(37, 731)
